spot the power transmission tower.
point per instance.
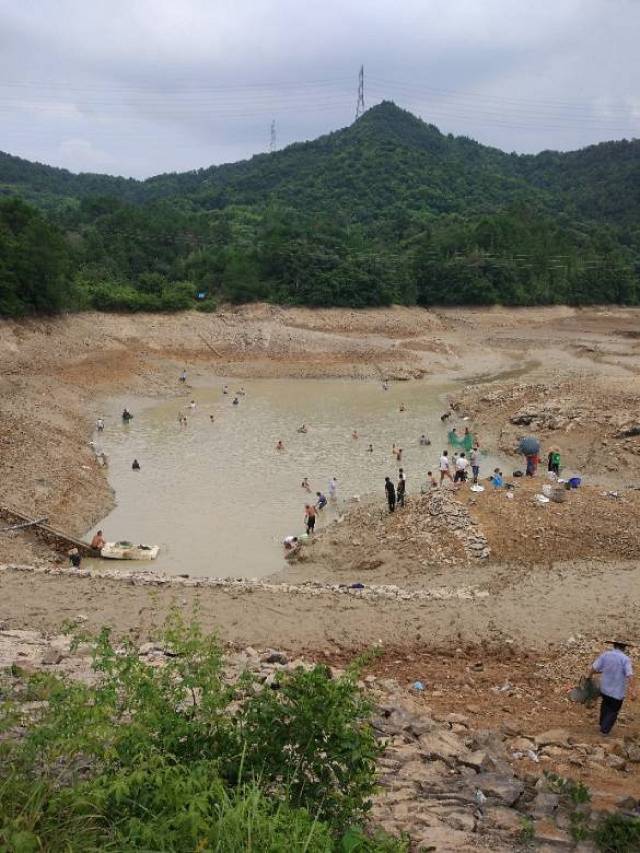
(360, 105)
(272, 141)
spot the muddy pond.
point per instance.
(217, 496)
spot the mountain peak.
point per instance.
(387, 121)
(390, 112)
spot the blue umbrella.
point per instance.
(529, 446)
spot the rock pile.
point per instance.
(443, 505)
(549, 415)
(433, 529)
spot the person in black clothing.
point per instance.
(135, 465)
(391, 493)
(74, 558)
(401, 487)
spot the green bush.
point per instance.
(311, 732)
(118, 296)
(176, 758)
(161, 808)
(207, 306)
(616, 833)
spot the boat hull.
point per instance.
(115, 551)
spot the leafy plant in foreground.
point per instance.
(311, 734)
(616, 833)
(175, 757)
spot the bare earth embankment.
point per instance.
(500, 603)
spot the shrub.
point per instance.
(616, 833)
(175, 758)
(312, 733)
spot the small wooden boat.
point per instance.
(128, 551)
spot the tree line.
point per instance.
(112, 255)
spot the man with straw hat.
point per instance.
(616, 676)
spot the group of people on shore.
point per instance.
(460, 465)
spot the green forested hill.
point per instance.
(386, 209)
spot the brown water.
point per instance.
(219, 498)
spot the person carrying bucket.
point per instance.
(616, 679)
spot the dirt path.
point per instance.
(531, 609)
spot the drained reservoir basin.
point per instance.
(217, 496)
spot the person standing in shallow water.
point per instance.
(401, 488)
(391, 493)
(444, 466)
(616, 678)
(310, 518)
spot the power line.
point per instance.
(498, 100)
(360, 108)
(177, 86)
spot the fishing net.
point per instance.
(586, 692)
(460, 441)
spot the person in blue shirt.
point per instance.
(616, 676)
(496, 478)
(321, 502)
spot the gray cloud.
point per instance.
(145, 86)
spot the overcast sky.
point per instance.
(138, 87)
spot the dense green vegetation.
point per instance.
(387, 210)
(176, 758)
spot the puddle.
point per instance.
(218, 498)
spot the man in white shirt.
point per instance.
(474, 457)
(444, 466)
(462, 463)
(616, 675)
